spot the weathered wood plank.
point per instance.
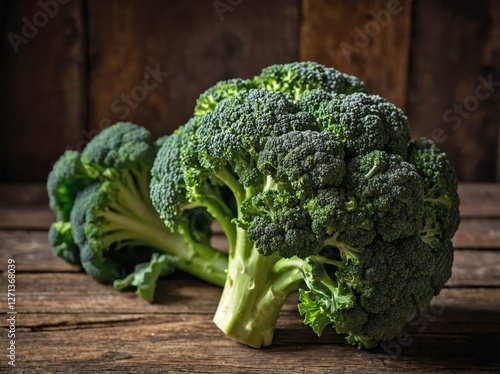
(453, 85)
(42, 75)
(479, 199)
(476, 268)
(24, 206)
(34, 254)
(30, 218)
(369, 39)
(453, 310)
(76, 292)
(478, 233)
(191, 343)
(191, 43)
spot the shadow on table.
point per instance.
(457, 338)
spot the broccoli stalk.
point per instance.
(261, 284)
(119, 213)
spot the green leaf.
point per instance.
(325, 298)
(314, 315)
(146, 274)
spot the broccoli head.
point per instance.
(325, 194)
(110, 226)
(319, 190)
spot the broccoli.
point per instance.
(318, 189)
(296, 79)
(107, 224)
(222, 90)
(66, 179)
(441, 203)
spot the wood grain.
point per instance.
(479, 200)
(368, 39)
(69, 323)
(26, 206)
(475, 269)
(180, 342)
(34, 249)
(190, 43)
(59, 292)
(455, 49)
(478, 233)
(42, 104)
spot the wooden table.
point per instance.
(66, 322)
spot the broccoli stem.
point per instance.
(256, 288)
(444, 200)
(230, 181)
(132, 219)
(346, 251)
(223, 215)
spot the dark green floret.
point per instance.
(362, 123)
(67, 178)
(441, 200)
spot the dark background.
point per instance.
(70, 68)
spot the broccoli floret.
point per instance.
(182, 192)
(62, 243)
(121, 147)
(299, 78)
(222, 90)
(362, 122)
(441, 197)
(390, 190)
(320, 197)
(441, 218)
(66, 179)
(236, 131)
(308, 160)
(366, 309)
(113, 229)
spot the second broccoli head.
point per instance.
(107, 224)
(318, 189)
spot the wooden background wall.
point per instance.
(71, 67)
